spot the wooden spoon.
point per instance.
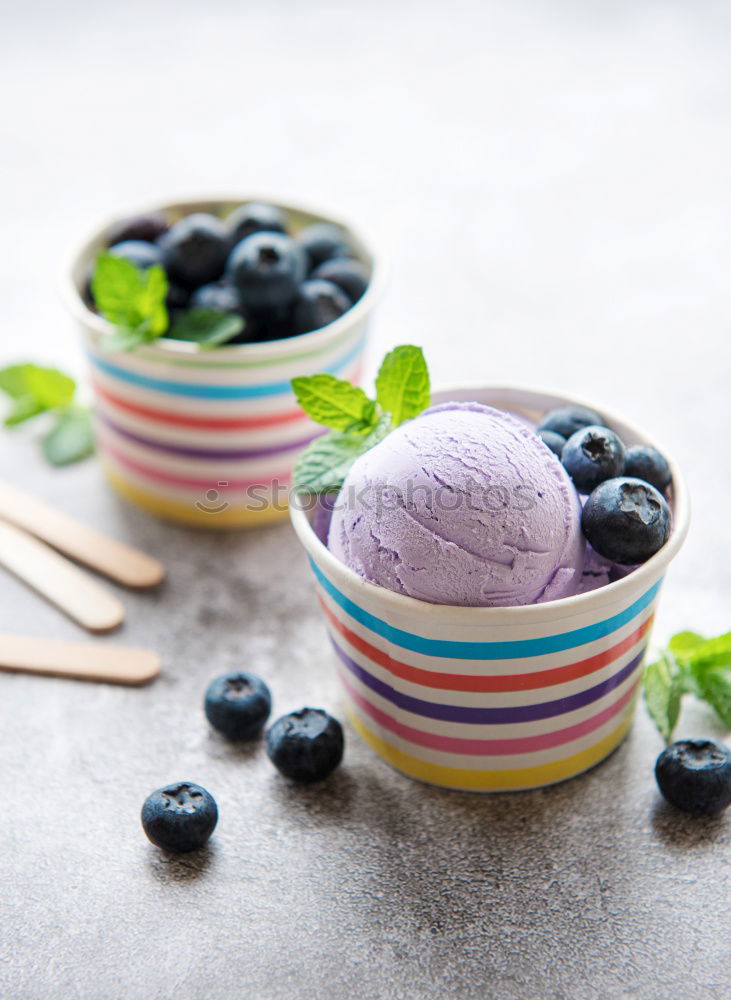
(82, 660)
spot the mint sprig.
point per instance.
(357, 422)
(132, 300)
(689, 665)
(33, 391)
(207, 327)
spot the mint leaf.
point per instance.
(324, 464)
(207, 327)
(663, 689)
(334, 403)
(34, 390)
(132, 299)
(71, 439)
(683, 643)
(715, 686)
(402, 384)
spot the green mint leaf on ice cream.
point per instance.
(33, 391)
(402, 385)
(357, 423)
(690, 665)
(132, 300)
(207, 327)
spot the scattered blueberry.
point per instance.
(194, 251)
(553, 441)
(256, 217)
(179, 817)
(346, 273)
(306, 745)
(642, 461)
(318, 303)
(266, 268)
(219, 295)
(567, 420)
(148, 227)
(238, 705)
(322, 241)
(592, 455)
(142, 255)
(626, 520)
(695, 775)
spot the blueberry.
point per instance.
(148, 227)
(592, 455)
(318, 303)
(256, 217)
(177, 298)
(626, 520)
(553, 441)
(567, 420)
(695, 775)
(348, 274)
(179, 817)
(267, 269)
(142, 255)
(322, 241)
(194, 251)
(238, 705)
(642, 461)
(219, 295)
(306, 745)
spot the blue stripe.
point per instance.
(470, 715)
(457, 650)
(218, 391)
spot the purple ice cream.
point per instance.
(464, 505)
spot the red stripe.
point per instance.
(156, 475)
(204, 423)
(476, 747)
(494, 684)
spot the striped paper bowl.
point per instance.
(209, 438)
(492, 699)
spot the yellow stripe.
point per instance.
(182, 513)
(467, 779)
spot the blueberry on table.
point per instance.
(256, 217)
(148, 227)
(267, 269)
(553, 441)
(219, 295)
(194, 251)
(592, 455)
(179, 817)
(142, 255)
(567, 420)
(642, 461)
(306, 745)
(346, 273)
(238, 704)
(322, 241)
(318, 303)
(695, 775)
(626, 520)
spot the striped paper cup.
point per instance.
(492, 699)
(209, 438)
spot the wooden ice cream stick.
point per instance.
(82, 660)
(59, 581)
(83, 543)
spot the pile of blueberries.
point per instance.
(626, 517)
(305, 746)
(283, 285)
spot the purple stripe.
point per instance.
(212, 453)
(488, 716)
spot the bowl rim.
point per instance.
(273, 350)
(641, 578)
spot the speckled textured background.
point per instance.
(551, 181)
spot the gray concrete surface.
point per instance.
(552, 181)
